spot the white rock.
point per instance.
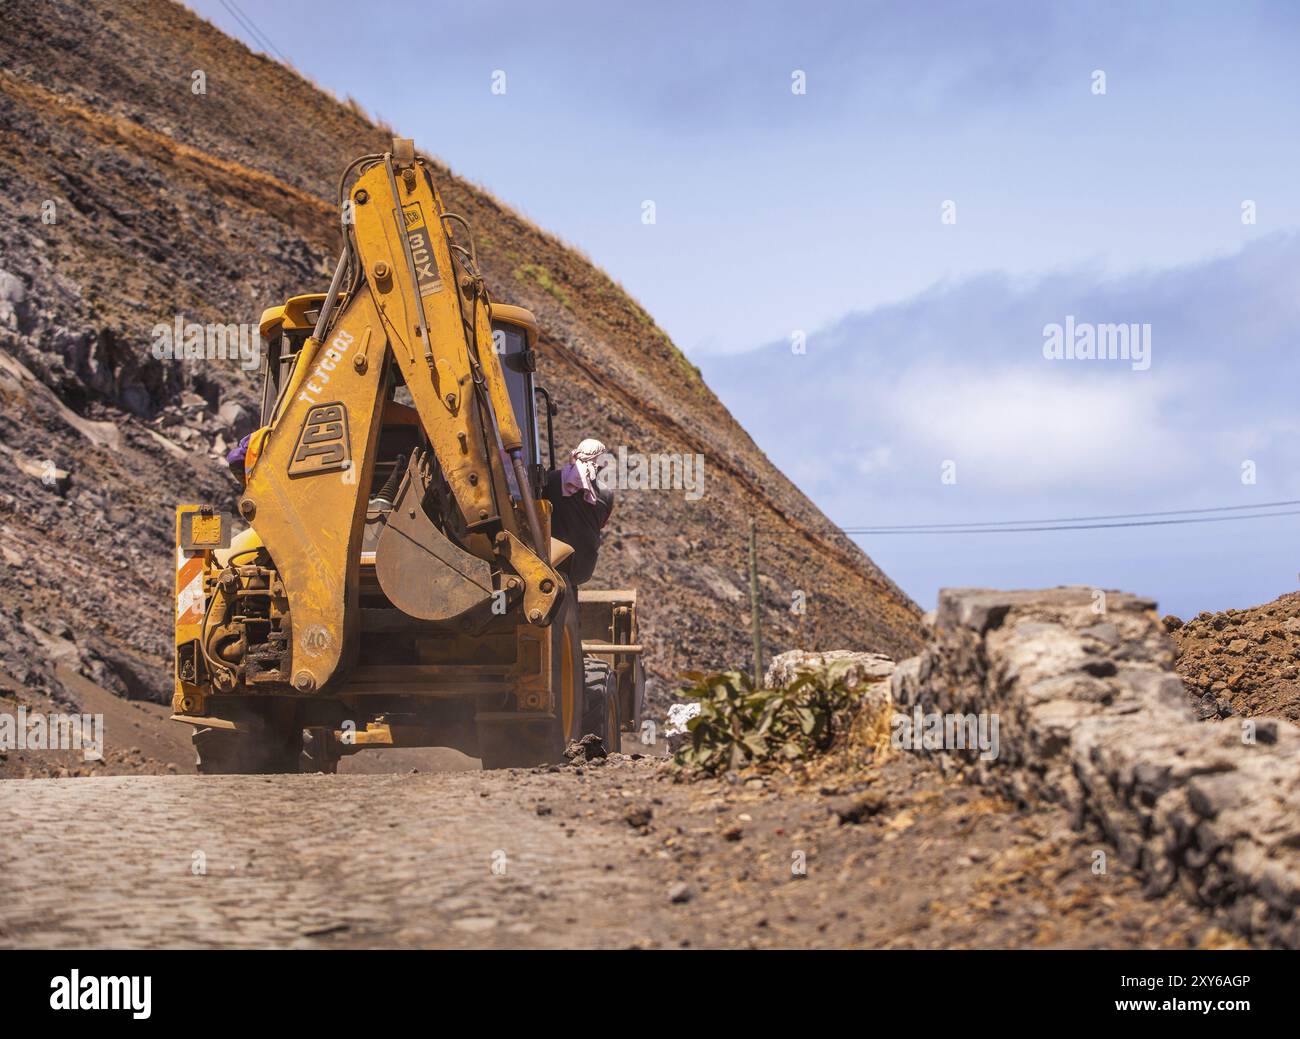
(678, 715)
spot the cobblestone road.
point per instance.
(309, 860)
(613, 855)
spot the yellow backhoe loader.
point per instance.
(394, 583)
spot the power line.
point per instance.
(259, 37)
(859, 531)
(1068, 519)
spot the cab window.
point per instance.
(511, 343)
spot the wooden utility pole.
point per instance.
(753, 604)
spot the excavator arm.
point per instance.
(414, 302)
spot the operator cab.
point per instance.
(514, 337)
(285, 329)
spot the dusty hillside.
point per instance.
(127, 199)
(1242, 662)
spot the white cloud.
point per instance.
(1044, 430)
(864, 421)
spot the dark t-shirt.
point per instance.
(577, 522)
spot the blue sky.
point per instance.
(821, 213)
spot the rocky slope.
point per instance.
(127, 199)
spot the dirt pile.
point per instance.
(129, 200)
(1242, 662)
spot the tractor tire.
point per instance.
(600, 705)
(319, 754)
(269, 740)
(224, 753)
(518, 744)
(528, 744)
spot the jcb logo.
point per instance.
(323, 444)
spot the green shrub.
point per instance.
(543, 278)
(739, 725)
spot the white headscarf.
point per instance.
(584, 465)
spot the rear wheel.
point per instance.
(269, 740)
(517, 744)
(600, 706)
(527, 744)
(221, 752)
(319, 751)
